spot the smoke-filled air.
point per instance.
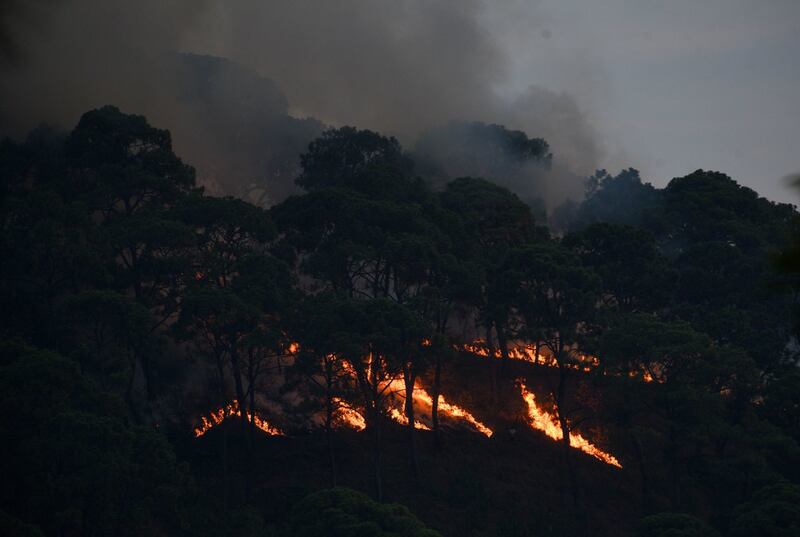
(408, 269)
(244, 86)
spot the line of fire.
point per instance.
(536, 414)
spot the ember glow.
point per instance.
(528, 353)
(348, 416)
(645, 376)
(221, 414)
(533, 354)
(422, 397)
(453, 411)
(542, 421)
(401, 418)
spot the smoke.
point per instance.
(82, 54)
(17, 16)
(509, 158)
(234, 126)
(398, 67)
(792, 179)
(578, 151)
(226, 120)
(401, 67)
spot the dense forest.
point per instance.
(391, 348)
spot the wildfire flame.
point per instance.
(645, 376)
(348, 416)
(232, 409)
(401, 418)
(422, 397)
(530, 353)
(542, 421)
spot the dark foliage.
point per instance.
(133, 303)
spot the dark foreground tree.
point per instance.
(674, 525)
(774, 511)
(341, 512)
(71, 462)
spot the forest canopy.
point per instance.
(390, 330)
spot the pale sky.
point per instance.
(672, 86)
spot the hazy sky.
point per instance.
(664, 86)
(673, 85)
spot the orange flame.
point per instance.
(542, 421)
(645, 376)
(232, 409)
(401, 418)
(451, 410)
(584, 362)
(420, 396)
(347, 415)
(530, 353)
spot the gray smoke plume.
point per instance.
(401, 67)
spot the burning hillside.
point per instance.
(542, 421)
(231, 410)
(348, 415)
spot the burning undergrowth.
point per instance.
(541, 420)
(527, 404)
(233, 410)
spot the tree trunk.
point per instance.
(638, 453)
(672, 457)
(241, 400)
(370, 391)
(437, 380)
(131, 397)
(492, 362)
(329, 410)
(147, 374)
(565, 442)
(572, 479)
(239, 386)
(141, 367)
(409, 378)
(223, 402)
(376, 454)
(224, 469)
(502, 342)
(251, 433)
